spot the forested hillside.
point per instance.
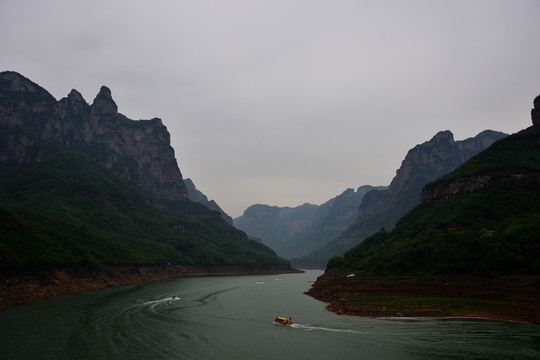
(69, 211)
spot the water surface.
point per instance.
(231, 318)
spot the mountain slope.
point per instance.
(195, 195)
(82, 185)
(381, 209)
(68, 211)
(482, 218)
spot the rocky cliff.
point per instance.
(422, 164)
(535, 111)
(34, 124)
(445, 190)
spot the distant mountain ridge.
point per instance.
(381, 209)
(299, 230)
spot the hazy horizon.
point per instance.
(287, 102)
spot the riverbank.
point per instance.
(18, 287)
(504, 298)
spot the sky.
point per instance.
(283, 102)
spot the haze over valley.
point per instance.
(287, 102)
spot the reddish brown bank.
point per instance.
(35, 284)
(505, 298)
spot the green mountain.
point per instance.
(69, 211)
(483, 217)
(82, 185)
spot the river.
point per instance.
(231, 318)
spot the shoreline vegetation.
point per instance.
(19, 288)
(510, 298)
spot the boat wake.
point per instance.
(308, 327)
(164, 300)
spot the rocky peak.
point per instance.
(16, 89)
(139, 152)
(435, 155)
(74, 104)
(75, 97)
(15, 82)
(535, 112)
(104, 103)
(442, 137)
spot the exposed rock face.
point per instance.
(535, 112)
(423, 164)
(33, 123)
(453, 188)
(196, 195)
(297, 231)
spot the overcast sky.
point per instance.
(283, 102)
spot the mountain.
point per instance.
(471, 248)
(298, 231)
(482, 218)
(277, 226)
(195, 195)
(34, 125)
(84, 186)
(382, 208)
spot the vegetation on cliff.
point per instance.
(489, 227)
(69, 211)
(83, 185)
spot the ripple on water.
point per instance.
(231, 318)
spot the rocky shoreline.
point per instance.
(503, 298)
(18, 287)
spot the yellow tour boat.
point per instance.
(282, 321)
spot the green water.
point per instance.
(231, 318)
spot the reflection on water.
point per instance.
(231, 318)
